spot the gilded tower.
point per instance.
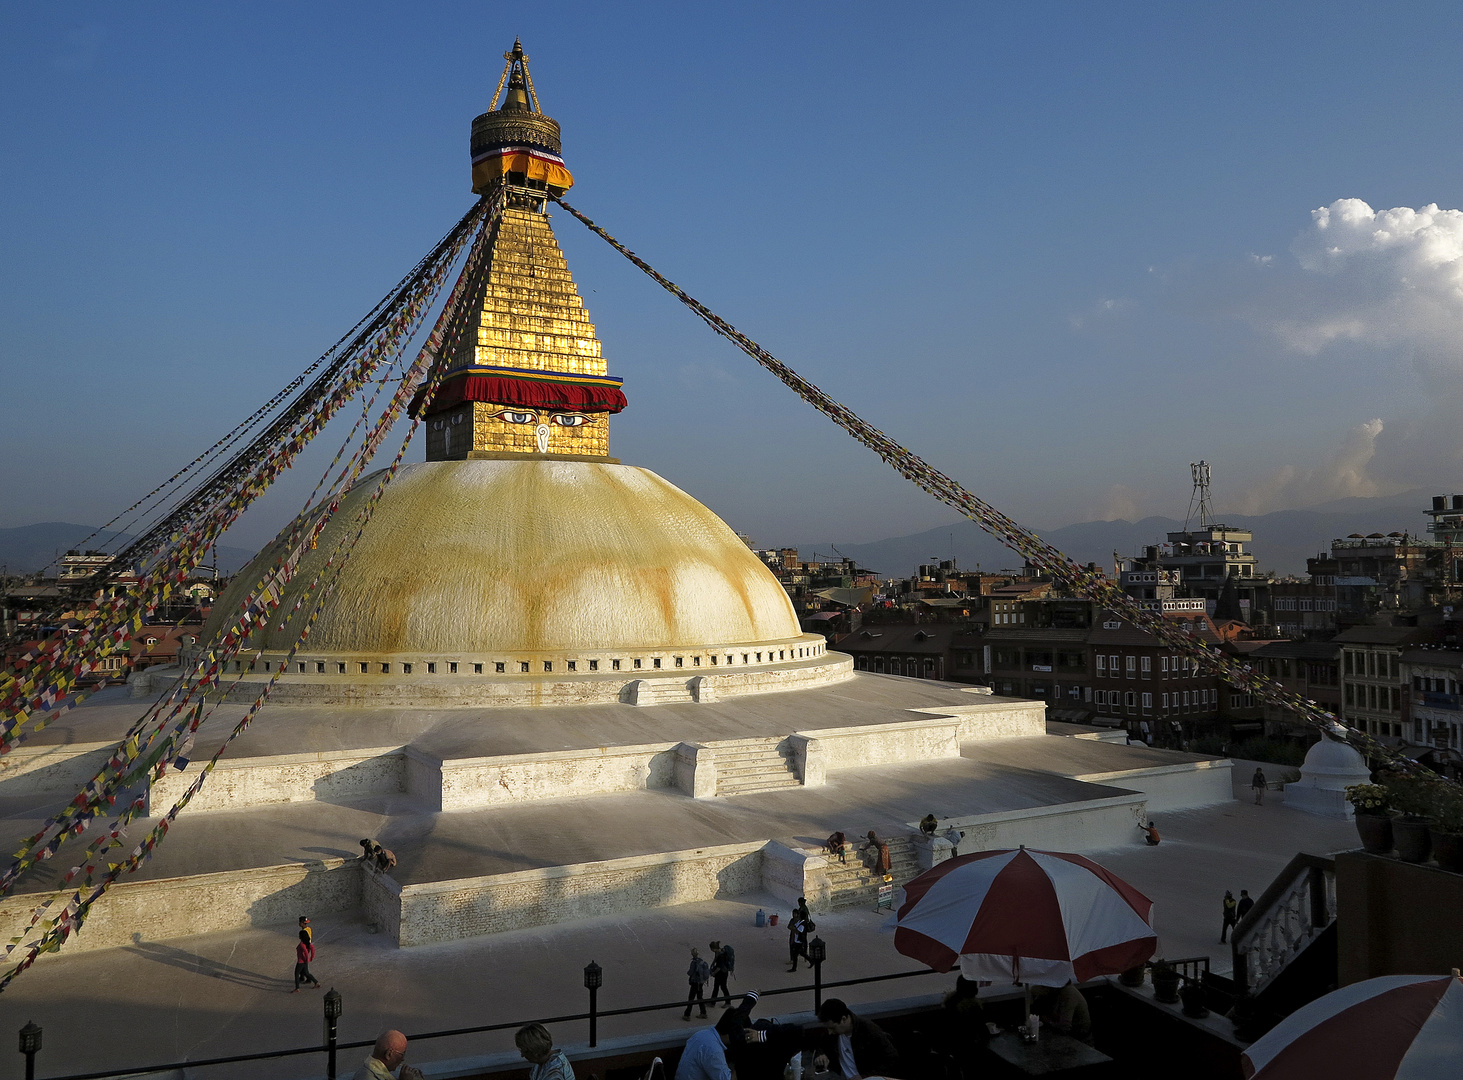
(529, 378)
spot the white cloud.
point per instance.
(1389, 278)
(1345, 473)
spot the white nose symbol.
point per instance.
(541, 433)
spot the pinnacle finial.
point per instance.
(521, 96)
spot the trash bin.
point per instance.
(761, 917)
(772, 920)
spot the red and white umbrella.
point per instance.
(1407, 1027)
(1034, 917)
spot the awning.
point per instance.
(846, 597)
(825, 616)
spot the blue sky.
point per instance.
(1061, 250)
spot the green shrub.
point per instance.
(1274, 751)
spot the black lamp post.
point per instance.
(30, 1045)
(817, 953)
(332, 1029)
(594, 978)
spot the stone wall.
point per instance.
(881, 744)
(328, 776)
(35, 770)
(1173, 787)
(1093, 825)
(467, 783)
(446, 911)
(138, 912)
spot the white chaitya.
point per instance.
(1330, 768)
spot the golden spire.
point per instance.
(529, 377)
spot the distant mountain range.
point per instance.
(1284, 539)
(26, 549)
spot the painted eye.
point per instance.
(513, 417)
(571, 419)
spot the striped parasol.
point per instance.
(1397, 1027)
(1034, 917)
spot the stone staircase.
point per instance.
(747, 765)
(855, 884)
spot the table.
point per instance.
(1054, 1054)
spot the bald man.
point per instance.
(389, 1052)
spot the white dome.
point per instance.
(1330, 757)
(528, 557)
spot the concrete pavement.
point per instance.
(228, 993)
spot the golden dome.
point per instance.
(528, 558)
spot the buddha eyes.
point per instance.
(570, 420)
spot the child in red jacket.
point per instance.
(304, 953)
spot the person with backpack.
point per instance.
(723, 963)
(697, 975)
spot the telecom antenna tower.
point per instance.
(1199, 500)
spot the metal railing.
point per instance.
(31, 1035)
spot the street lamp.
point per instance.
(30, 1045)
(332, 1029)
(593, 980)
(817, 953)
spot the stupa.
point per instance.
(520, 563)
(557, 686)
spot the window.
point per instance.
(573, 665)
(477, 669)
(1186, 699)
(523, 667)
(319, 667)
(266, 665)
(1112, 662)
(386, 668)
(548, 665)
(340, 669)
(1147, 666)
(499, 667)
(1147, 702)
(1132, 665)
(781, 654)
(637, 663)
(1101, 664)
(406, 669)
(695, 661)
(594, 665)
(656, 663)
(714, 658)
(1128, 699)
(1163, 666)
(614, 665)
(1165, 703)
(680, 662)
(452, 667)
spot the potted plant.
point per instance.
(1412, 797)
(1373, 825)
(1132, 977)
(1447, 832)
(1194, 999)
(1165, 982)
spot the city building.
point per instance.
(1311, 669)
(1434, 677)
(1373, 689)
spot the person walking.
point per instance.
(304, 953)
(723, 963)
(696, 975)
(1245, 903)
(801, 911)
(1231, 916)
(797, 940)
(307, 928)
(1258, 786)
